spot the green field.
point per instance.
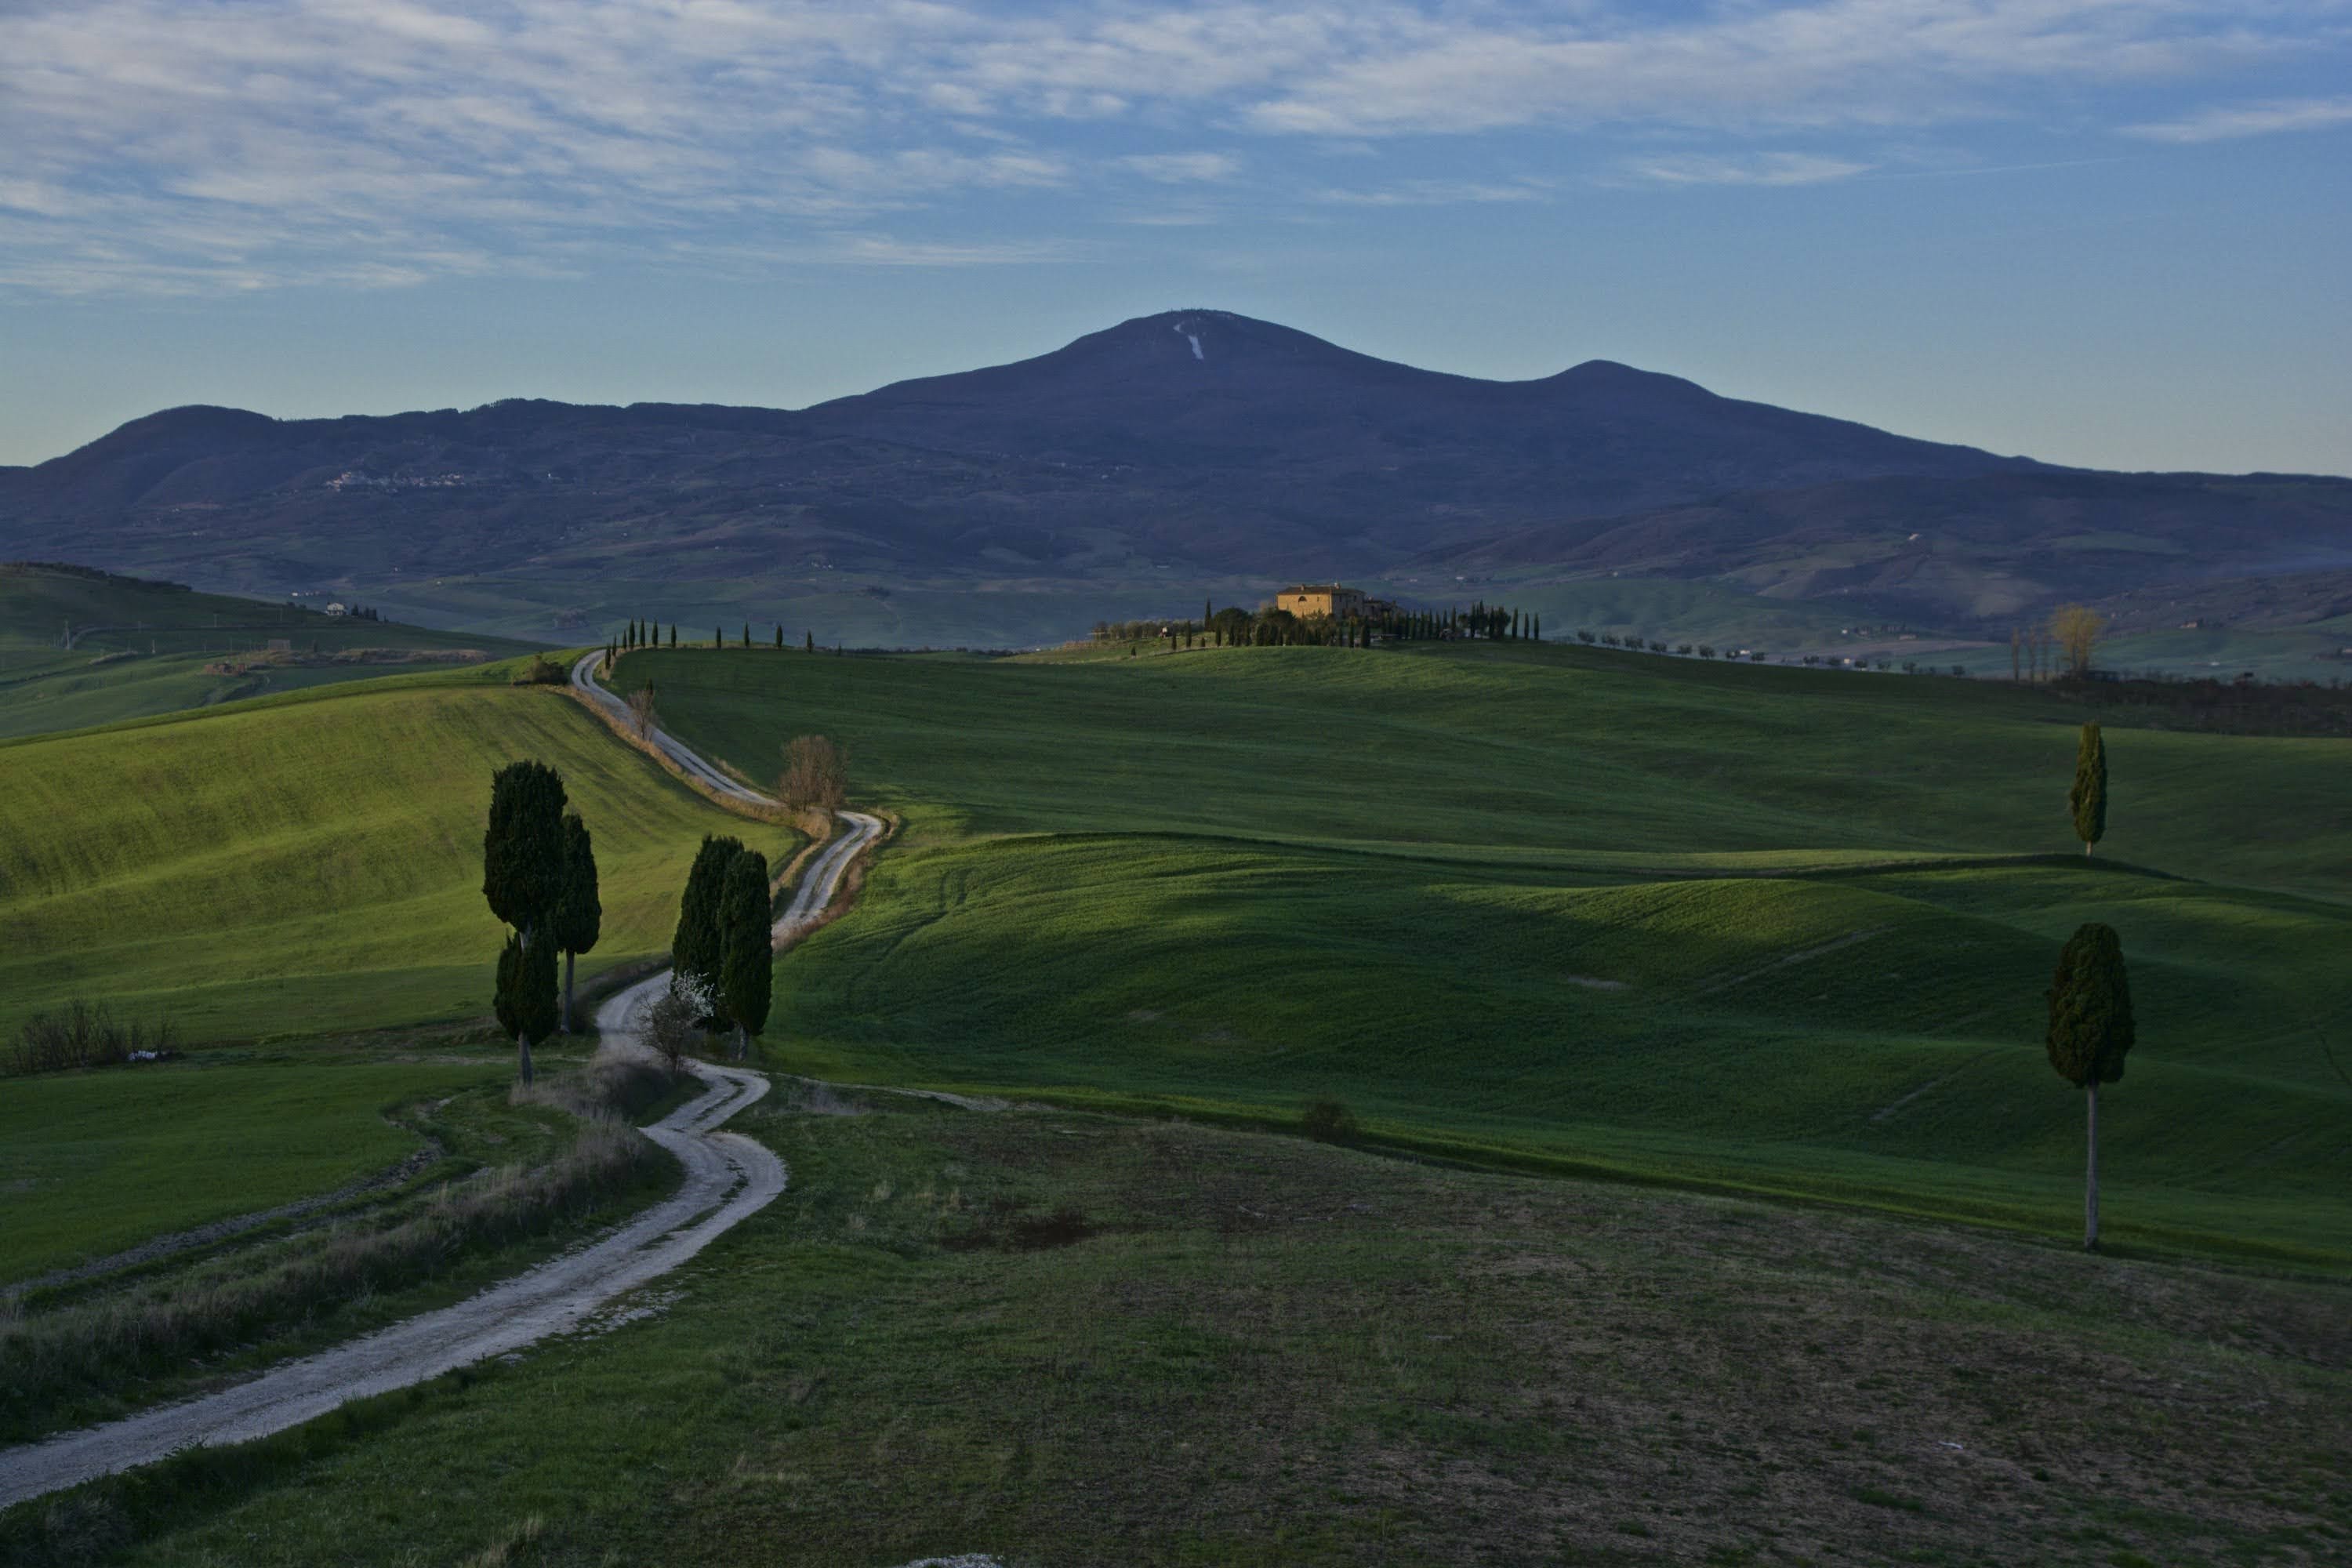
(1065, 1340)
(93, 1162)
(1750, 927)
(147, 648)
(313, 863)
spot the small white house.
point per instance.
(336, 609)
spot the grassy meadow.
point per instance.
(94, 1163)
(1064, 1338)
(313, 863)
(1765, 929)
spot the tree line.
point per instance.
(648, 634)
(1276, 627)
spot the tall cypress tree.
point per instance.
(2090, 1028)
(697, 950)
(578, 912)
(780, 635)
(673, 634)
(2087, 802)
(809, 644)
(522, 879)
(746, 634)
(746, 971)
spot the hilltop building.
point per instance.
(1307, 600)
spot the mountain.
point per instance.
(1186, 447)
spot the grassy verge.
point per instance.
(520, 1173)
(1068, 1339)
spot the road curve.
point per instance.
(727, 1178)
(584, 680)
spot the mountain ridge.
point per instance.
(1182, 446)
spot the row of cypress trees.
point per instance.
(539, 874)
(648, 634)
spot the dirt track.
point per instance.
(727, 1178)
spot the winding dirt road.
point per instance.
(727, 1178)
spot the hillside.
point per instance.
(1750, 927)
(80, 647)
(1174, 453)
(313, 863)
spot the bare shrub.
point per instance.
(642, 718)
(86, 1035)
(608, 1087)
(234, 1299)
(816, 776)
(674, 1023)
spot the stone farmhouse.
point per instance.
(1309, 600)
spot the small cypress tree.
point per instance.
(810, 645)
(717, 636)
(579, 913)
(746, 971)
(2090, 1029)
(746, 634)
(2087, 802)
(673, 634)
(780, 635)
(522, 879)
(697, 949)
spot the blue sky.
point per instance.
(2108, 232)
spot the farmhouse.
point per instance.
(1309, 600)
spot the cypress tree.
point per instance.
(717, 636)
(673, 634)
(2090, 1029)
(809, 646)
(780, 637)
(2087, 802)
(746, 634)
(579, 913)
(522, 879)
(697, 949)
(746, 976)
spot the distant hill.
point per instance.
(1166, 452)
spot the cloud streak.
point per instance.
(2224, 125)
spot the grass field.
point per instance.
(143, 647)
(311, 863)
(93, 1162)
(1066, 1340)
(1747, 927)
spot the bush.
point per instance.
(1328, 1121)
(816, 776)
(85, 1036)
(540, 671)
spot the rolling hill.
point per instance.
(1124, 473)
(81, 646)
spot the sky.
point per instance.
(2116, 233)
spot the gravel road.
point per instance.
(727, 1177)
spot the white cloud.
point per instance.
(1437, 193)
(1181, 168)
(2250, 119)
(1746, 169)
(153, 144)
